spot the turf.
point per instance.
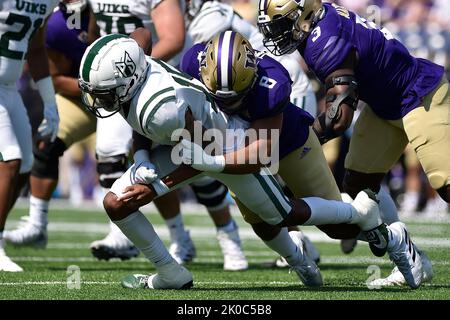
(71, 231)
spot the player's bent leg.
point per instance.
(115, 244)
(181, 248)
(44, 177)
(213, 195)
(9, 171)
(428, 131)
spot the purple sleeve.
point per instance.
(329, 44)
(189, 63)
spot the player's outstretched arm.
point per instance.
(169, 25)
(341, 101)
(39, 69)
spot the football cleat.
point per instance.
(308, 247)
(114, 245)
(233, 255)
(183, 250)
(28, 233)
(396, 278)
(6, 264)
(405, 255)
(173, 277)
(306, 268)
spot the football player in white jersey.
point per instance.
(158, 101)
(162, 18)
(207, 18)
(21, 37)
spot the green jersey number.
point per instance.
(108, 23)
(19, 35)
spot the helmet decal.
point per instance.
(126, 67)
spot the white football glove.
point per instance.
(194, 155)
(144, 173)
(50, 123)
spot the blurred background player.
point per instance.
(22, 37)
(65, 47)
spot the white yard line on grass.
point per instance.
(210, 233)
(255, 258)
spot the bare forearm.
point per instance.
(67, 86)
(38, 63)
(249, 159)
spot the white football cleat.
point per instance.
(174, 276)
(306, 268)
(233, 255)
(114, 245)
(308, 247)
(28, 233)
(6, 264)
(183, 250)
(367, 209)
(396, 278)
(404, 254)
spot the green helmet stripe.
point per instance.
(94, 51)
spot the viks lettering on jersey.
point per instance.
(112, 8)
(30, 7)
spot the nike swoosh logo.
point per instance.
(380, 243)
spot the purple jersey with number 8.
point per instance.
(268, 97)
(391, 81)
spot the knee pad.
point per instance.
(109, 169)
(46, 159)
(210, 193)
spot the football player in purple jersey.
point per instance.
(408, 101)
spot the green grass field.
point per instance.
(71, 231)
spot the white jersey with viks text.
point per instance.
(19, 21)
(159, 108)
(125, 16)
(119, 16)
(215, 17)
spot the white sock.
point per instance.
(284, 246)
(176, 228)
(140, 231)
(39, 211)
(1, 235)
(388, 210)
(229, 227)
(329, 212)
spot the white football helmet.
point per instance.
(112, 70)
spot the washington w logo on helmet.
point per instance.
(126, 67)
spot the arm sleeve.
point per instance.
(327, 49)
(209, 23)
